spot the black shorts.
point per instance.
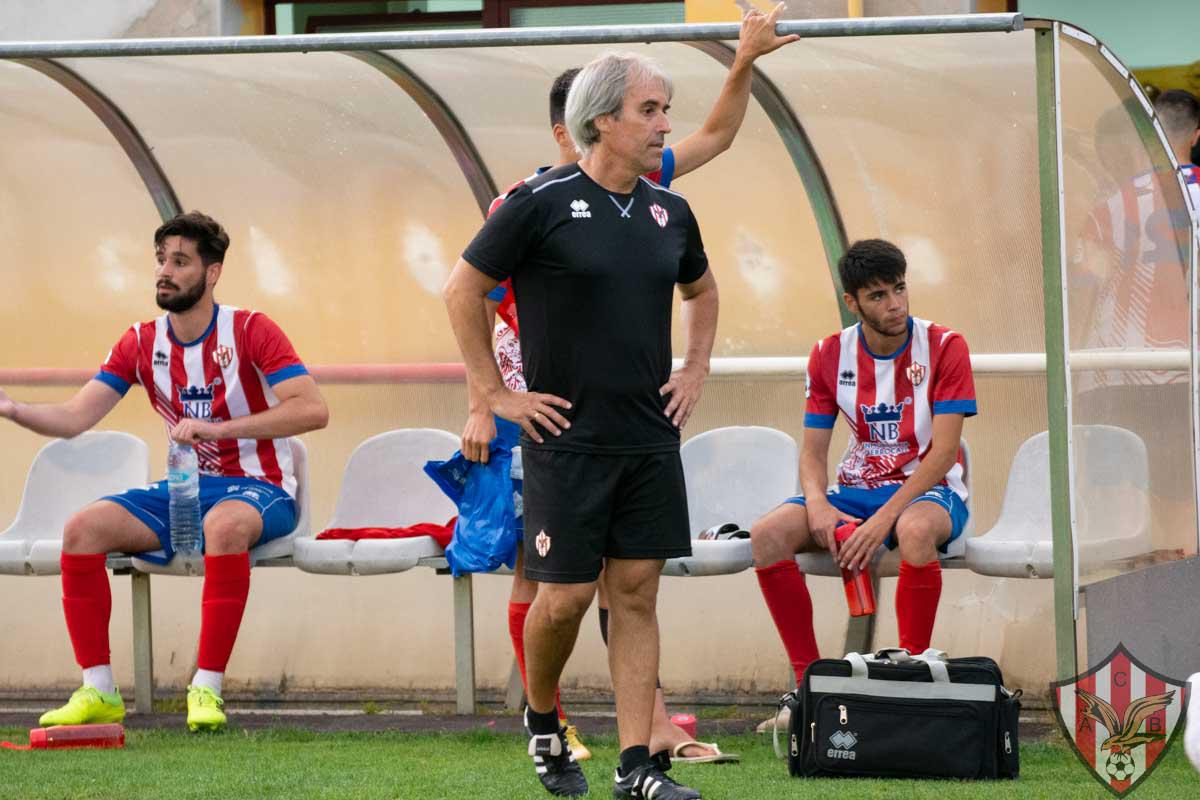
(582, 508)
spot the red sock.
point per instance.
(517, 612)
(787, 597)
(226, 587)
(917, 595)
(87, 605)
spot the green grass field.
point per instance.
(300, 764)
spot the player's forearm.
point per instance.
(699, 315)
(57, 420)
(814, 476)
(292, 417)
(469, 320)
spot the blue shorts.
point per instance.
(150, 505)
(863, 503)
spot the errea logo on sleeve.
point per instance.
(579, 210)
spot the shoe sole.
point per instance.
(206, 727)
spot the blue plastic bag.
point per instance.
(487, 530)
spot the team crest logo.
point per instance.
(197, 402)
(916, 374)
(542, 543)
(1121, 717)
(660, 215)
(223, 356)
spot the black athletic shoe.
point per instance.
(648, 782)
(555, 765)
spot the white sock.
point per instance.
(100, 678)
(206, 677)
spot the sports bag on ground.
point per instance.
(893, 715)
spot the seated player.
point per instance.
(756, 38)
(227, 382)
(904, 386)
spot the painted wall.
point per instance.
(1150, 33)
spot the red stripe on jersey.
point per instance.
(255, 399)
(904, 389)
(178, 377)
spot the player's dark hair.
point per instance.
(1179, 112)
(558, 96)
(871, 261)
(211, 239)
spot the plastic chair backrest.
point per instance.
(384, 484)
(737, 474)
(68, 474)
(1112, 479)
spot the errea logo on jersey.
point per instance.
(579, 210)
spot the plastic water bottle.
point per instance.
(183, 492)
(860, 593)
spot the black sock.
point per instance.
(604, 636)
(634, 757)
(541, 724)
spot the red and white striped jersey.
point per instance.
(890, 401)
(1143, 303)
(228, 372)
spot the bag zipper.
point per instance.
(844, 717)
(1007, 742)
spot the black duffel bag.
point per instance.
(893, 715)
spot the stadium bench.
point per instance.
(67, 475)
(1112, 524)
(384, 485)
(733, 474)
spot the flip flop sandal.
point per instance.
(717, 756)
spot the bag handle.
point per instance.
(934, 659)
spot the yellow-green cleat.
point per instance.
(87, 706)
(204, 710)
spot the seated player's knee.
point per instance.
(82, 534)
(771, 540)
(917, 540)
(227, 533)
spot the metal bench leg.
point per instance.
(860, 631)
(464, 644)
(143, 644)
(514, 698)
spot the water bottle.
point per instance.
(860, 594)
(183, 492)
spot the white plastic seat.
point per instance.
(1112, 479)
(67, 475)
(276, 548)
(734, 474)
(886, 563)
(384, 486)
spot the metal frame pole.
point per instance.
(1058, 366)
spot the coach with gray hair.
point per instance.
(595, 252)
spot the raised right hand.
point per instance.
(526, 408)
(823, 520)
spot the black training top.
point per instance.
(594, 273)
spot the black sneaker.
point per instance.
(649, 782)
(555, 765)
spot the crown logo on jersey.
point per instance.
(194, 394)
(884, 412)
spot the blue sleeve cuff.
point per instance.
(965, 407)
(278, 376)
(118, 385)
(668, 168)
(819, 420)
(497, 294)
